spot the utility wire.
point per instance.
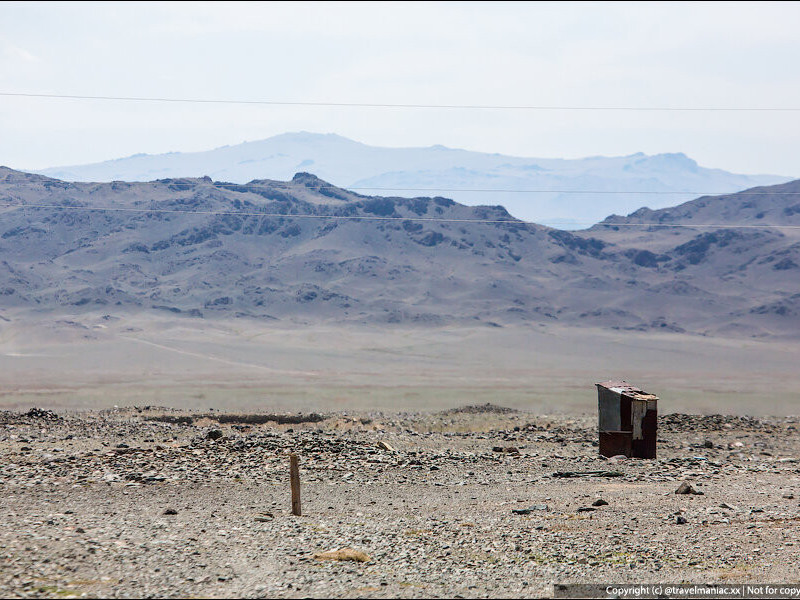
(511, 191)
(414, 106)
(289, 186)
(381, 218)
(261, 214)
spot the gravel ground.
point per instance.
(473, 502)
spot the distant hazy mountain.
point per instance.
(305, 251)
(447, 172)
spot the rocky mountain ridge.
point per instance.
(306, 251)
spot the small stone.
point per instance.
(680, 520)
(170, 511)
(214, 434)
(599, 502)
(708, 444)
(789, 496)
(264, 517)
(384, 446)
(529, 510)
(586, 509)
(686, 488)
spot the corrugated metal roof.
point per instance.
(623, 387)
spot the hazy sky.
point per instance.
(719, 54)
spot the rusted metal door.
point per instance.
(627, 420)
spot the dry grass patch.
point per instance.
(343, 554)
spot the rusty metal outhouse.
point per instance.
(628, 419)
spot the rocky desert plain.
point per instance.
(165, 346)
(442, 463)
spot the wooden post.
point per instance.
(294, 475)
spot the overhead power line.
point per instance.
(290, 186)
(529, 191)
(260, 214)
(381, 218)
(542, 107)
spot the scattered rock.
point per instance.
(235, 498)
(214, 434)
(386, 446)
(686, 488)
(618, 458)
(42, 415)
(529, 510)
(479, 409)
(570, 474)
